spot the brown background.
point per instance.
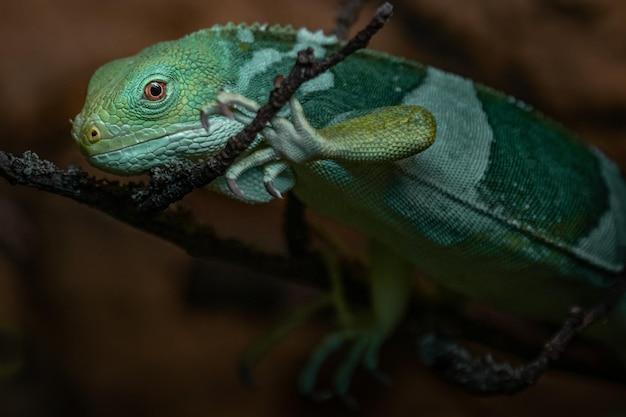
(104, 310)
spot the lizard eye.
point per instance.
(154, 90)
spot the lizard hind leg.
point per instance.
(364, 332)
(360, 333)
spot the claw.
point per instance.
(234, 188)
(270, 173)
(204, 119)
(273, 191)
(308, 377)
(226, 98)
(226, 111)
(214, 108)
(343, 376)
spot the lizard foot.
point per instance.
(362, 332)
(262, 163)
(286, 141)
(364, 348)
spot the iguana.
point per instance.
(470, 187)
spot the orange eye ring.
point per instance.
(154, 90)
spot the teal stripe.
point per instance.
(361, 83)
(539, 175)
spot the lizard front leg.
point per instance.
(385, 134)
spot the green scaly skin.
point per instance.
(492, 200)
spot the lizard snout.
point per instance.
(87, 132)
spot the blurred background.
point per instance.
(99, 319)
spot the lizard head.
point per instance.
(144, 110)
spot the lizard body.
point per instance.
(473, 188)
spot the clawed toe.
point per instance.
(364, 349)
(234, 187)
(272, 190)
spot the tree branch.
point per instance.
(484, 376)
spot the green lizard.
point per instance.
(470, 187)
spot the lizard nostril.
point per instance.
(93, 135)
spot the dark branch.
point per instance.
(175, 226)
(484, 376)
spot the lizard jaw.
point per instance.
(190, 142)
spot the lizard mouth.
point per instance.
(137, 153)
(140, 157)
(98, 138)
